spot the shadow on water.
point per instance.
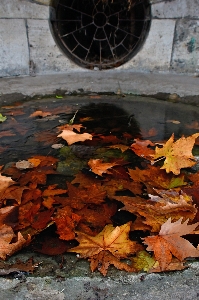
(22, 136)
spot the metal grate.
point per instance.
(101, 33)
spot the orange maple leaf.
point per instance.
(169, 241)
(71, 137)
(114, 241)
(177, 154)
(99, 167)
(6, 236)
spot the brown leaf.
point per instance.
(40, 113)
(66, 222)
(143, 148)
(104, 259)
(79, 197)
(169, 241)
(6, 236)
(114, 241)
(157, 211)
(99, 167)
(5, 182)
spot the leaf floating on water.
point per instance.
(72, 137)
(40, 113)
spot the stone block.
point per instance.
(23, 9)
(186, 46)
(155, 54)
(45, 55)
(14, 52)
(176, 9)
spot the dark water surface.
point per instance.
(22, 136)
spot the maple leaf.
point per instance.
(157, 211)
(156, 178)
(114, 240)
(13, 193)
(6, 236)
(169, 242)
(99, 167)
(177, 154)
(72, 137)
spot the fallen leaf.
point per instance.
(2, 118)
(114, 241)
(66, 222)
(169, 242)
(177, 154)
(157, 178)
(143, 261)
(24, 164)
(17, 267)
(79, 197)
(9, 215)
(99, 167)
(70, 127)
(155, 212)
(143, 148)
(5, 182)
(72, 137)
(6, 236)
(34, 161)
(40, 113)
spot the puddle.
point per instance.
(113, 120)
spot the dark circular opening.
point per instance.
(99, 19)
(100, 33)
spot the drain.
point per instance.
(100, 33)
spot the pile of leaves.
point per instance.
(133, 217)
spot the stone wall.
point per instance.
(28, 47)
